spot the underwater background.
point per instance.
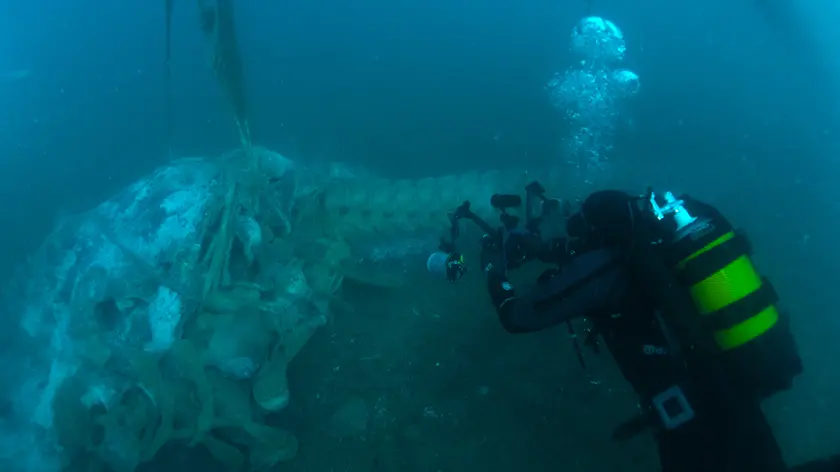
(738, 106)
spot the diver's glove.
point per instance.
(494, 266)
(492, 257)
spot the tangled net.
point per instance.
(171, 313)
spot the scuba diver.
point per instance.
(668, 286)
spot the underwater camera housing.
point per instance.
(518, 243)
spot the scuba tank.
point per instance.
(735, 306)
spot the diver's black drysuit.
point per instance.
(616, 279)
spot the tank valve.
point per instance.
(672, 206)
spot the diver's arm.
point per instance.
(516, 314)
(587, 285)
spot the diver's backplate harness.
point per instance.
(733, 325)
